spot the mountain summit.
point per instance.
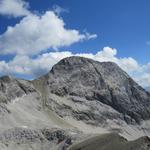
(77, 99)
(102, 83)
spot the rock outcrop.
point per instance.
(11, 88)
(78, 100)
(97, 83)
(112, 142)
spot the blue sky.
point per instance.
(118, 30)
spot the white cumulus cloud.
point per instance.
(58, 10)
(34, 67)
(35, 34)
(14, 8)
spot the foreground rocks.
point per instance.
(55, 139)
(44, 139)
(112, 142)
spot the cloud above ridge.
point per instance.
(25, 65)
(36, 34)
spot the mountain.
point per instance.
(78, 100)
(79, 78)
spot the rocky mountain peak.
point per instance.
(78, 62)
(76, 99)
(101, 81)
(78, 71)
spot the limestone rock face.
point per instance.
(79, 102)
(105, 82)
(11, 88)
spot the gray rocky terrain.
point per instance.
(79, 100)
(111, 142)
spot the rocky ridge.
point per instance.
(77, 99)
(87, 82)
